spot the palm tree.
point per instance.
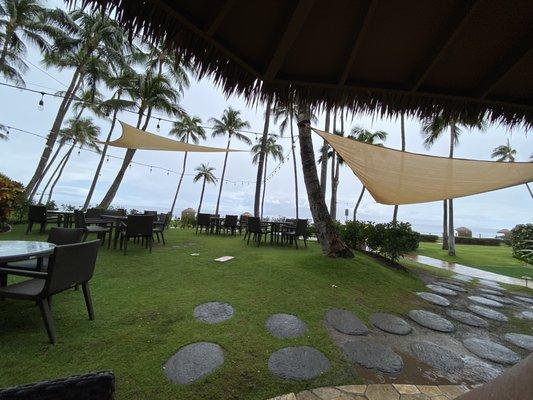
(324, 164)
(151, 93)
(271, 148)
(205, 173)
(81, 132)
(261, 160)
(432, 129)
(230, 124)
(117, 78)
(402, 132)
(22, 21)
(365, 136)
(186, 129)
(505, 153)
(90, 39)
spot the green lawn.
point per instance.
(497, 259)
(144, 303)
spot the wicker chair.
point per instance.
(231, 224)
(203, 221)
(292, 234)
(70, 265)
(100, 231)
(161, 225)
(256, 228)
(137, 227)
(93, 386)
(37, 215)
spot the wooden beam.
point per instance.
(219, 17)
(499, 73)
(439, 50)
(293, 28)
(358, 38)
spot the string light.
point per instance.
(150, 169)
(40, 107)
(158, 124)
(107, 159)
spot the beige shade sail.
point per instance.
(133, 138)
(396, 177)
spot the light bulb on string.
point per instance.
(150, 169)
(158, 124)
(129, 166)
(40, 107)
(107, 159)
(168, 172)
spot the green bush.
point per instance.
(355, 234)
(12, 199)
(521, 238)
(428, 238)
(478, 241)
(392, 240)
(187, 221)
(311, 230)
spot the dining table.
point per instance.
(21, 250)
(215, 223)
(276, 228)
(67, 216)
(116, 221)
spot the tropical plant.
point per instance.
(505, 153)
(150, 93)
(89, 40)
(230, 124)
(187, 128)
(271, 149)
(80, 132)
(393, 240)
(521, 238)
(205, 174)
(402, 133)
(11, 196)
(376, 138)
(432, 129)
(21, 22)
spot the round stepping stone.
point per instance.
(431, 321)
(520, 340)
(491, 351)
(463, 278)
(500, 299)
(527, 314)
(491, 292)
(346, 322)
(285, 326)
(213, 312)
(524, 299)
(491, 284)
(370, 354)
(487, 313)
(193, 362)
(467, 318)
(437, 356)
(390, 323)
(485, 302)
(451, 286)
(298, 363)
(434, 299)
(441, 290)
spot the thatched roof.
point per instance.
(461, 58)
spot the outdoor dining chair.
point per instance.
(69, 266)
(37, 215)
(57, 236)
(243, 224)
(203, 221)
(257, 229)
(137, 227)
(230, 224)
(292, 234)
(159, 227)
(99, 230)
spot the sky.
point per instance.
(141, 189)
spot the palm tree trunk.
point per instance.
(529, 189)
(332, 174)
(332, 244)
(180, 181)
(102, 157)
(201, 198)
(402, 131)
(295, 167)
(113, 189)
(445, 225)
(324, 163)
(48, 166)
(451, 230)
(59, 174)
(56, 170)
(260, 164)
(264, 186)
(56, 126)
(223, 174)
(358, 202)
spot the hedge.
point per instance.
(428, 238)
(478, 241)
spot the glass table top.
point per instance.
(17, 249)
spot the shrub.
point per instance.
(392, 240)
(187, 220)
(428, 238)
(521, 238)
(478, 241)
(311, 230)
(355, 234)
(12, 198)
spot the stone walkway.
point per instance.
(378, 392)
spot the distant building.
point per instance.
(503, 233)
(463, 232)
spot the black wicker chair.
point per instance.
(203, 221)
(137, 227)
(291, 235)
(70, 265)
(256, 228)
(37, 215)
(231, 224)
(93, 386)
(100, 230)
(243, 224)
(160, 226)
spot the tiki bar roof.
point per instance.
(460, 58)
